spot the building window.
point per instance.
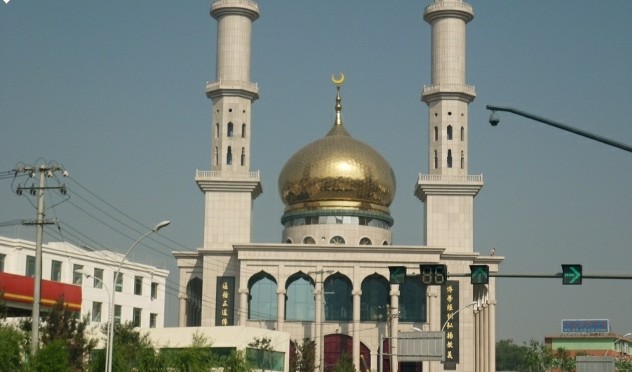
(77, 277)
(117, 314)
(436, 160)
(138, 285)
(462, 134)
(449, 159)
(230, 129)
(300, 304)
(262, 304)
(436, 133)
(243, 156)
(412, 300)
(337, 240)
(136, 317)
(154, 290)
(365, 241)
(98, 278)
(449, 132)
(30, 266)
(216, 156)
(55, 271)
(118, 286)
(96, 311)
(309, 240)
(338, 299)
(243, 131)
(152, 320)
(2, 257)
(375, 297)
(216, 130)
(229, 156)
(462, 160)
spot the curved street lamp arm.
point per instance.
(559, 125)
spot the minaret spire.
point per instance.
(338, 82)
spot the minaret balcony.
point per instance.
(442, 184)
(434, 92)
(239, 88)
(449, 9)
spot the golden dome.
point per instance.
(337, 172)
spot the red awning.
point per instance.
(18, 289)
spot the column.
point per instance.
(182, 316)
(357, 295)
(393, 318)
(243, 306)
(280, 308)
(318, 326)
(485, 330)
(492, 335)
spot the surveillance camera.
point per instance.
(494, 119)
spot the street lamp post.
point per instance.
(494, 120)
(615, 342)
(456, 312)
(107, 290)
(110, 346)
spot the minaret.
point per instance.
(447, 191)
(230, 187)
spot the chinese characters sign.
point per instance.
(449, 307)
(225, 300)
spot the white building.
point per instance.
(140, 292)
(328, 278)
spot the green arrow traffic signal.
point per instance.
(479, 274)
(398, 274)
(572, 274)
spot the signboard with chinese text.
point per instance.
(585, 326)
(449, 307)
(225, 300)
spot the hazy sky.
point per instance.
(114, 90)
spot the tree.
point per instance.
(563, 360)
(344, 363)
(133, 350)
(304, 357)
(11, 348)
(196, 358)
(509, 356)
(235, 362)
(52, 357)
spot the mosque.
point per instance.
(329, 278)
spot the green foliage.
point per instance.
(344, 364)
(133, 351)
(236, 362)
(63, 325)
(623, 365)
(52, 357)
(532, 357)
(196, 358)
(563, 360)
(304, 357)
(11, 348)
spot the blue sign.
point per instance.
(585, 326)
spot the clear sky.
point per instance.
(114, 90)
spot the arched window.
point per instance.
(365, 241)
(300, 304)
(216, 130)
(229, 156)
(436, 133)
(288, 241)
(262, 302)
(338, 301)
(230, 130)
(337, 240)
(374, 299)
(462, 134)
(243, 130)
(243, 156)
(194, 303)
(436, 160)
(309, 240)
(216, 156)
(449, 159)
(385, 242)
(462, 160)
(412, 300)
(449, 132)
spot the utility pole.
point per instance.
(45, 171)
(320, 315)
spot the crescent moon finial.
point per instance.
(338, 82)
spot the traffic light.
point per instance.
(572, 274)
(398, 274)
(433, 274)
(479, 274)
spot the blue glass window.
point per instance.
(300, 303)
(338, 301)
(262, 304)
(412, 300)
(375, 289)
